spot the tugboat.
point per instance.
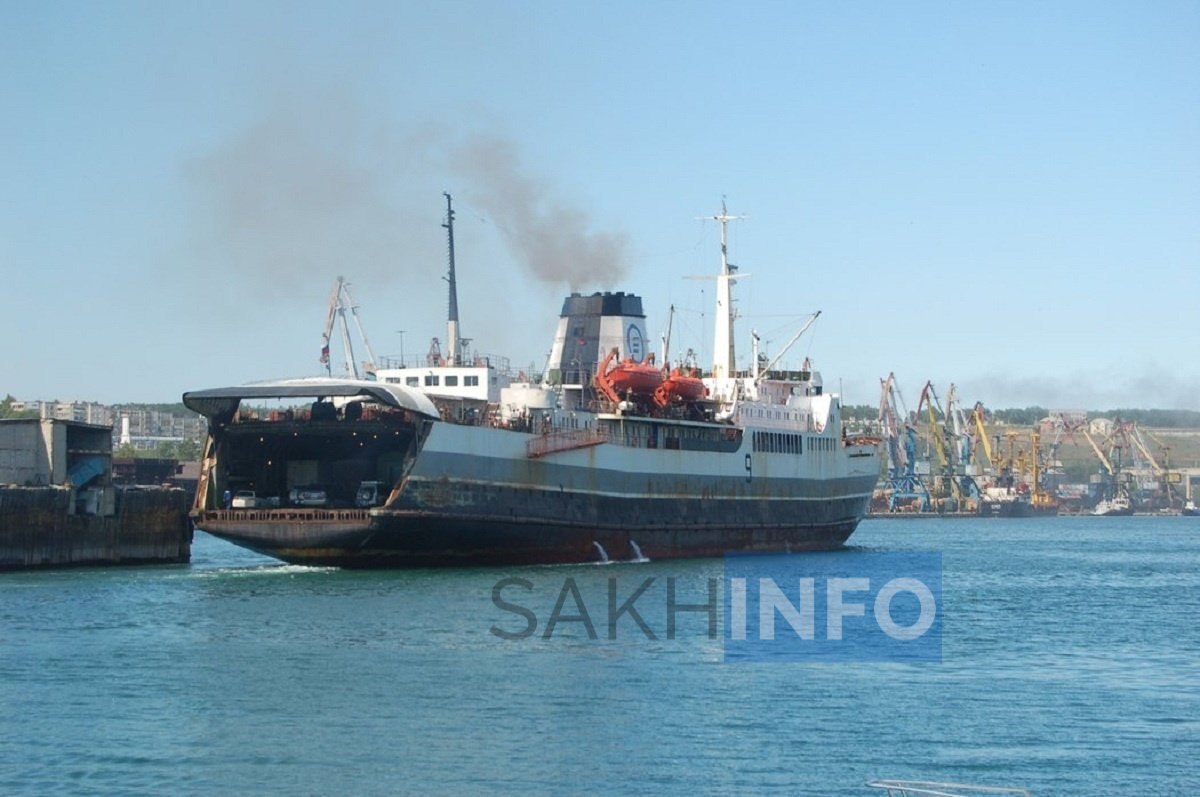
(1113, 507)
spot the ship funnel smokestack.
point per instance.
(591, 326)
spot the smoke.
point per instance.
(1152, 388)
(316, 188)
(305, 191)
(550, 238)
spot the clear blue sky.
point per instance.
(1001, 195)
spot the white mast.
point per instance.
(723, 355)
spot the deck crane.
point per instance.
(903, 484)
(339, 302)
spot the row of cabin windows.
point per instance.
(779, 415)
(783, 443)
(433, 380)
(779, 443)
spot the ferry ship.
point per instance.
(608, 457)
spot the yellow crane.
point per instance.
(1108, 466)
(1169, 478)
(984, 440)
(1041, 499)
(932, 405)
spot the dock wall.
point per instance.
(39, 527)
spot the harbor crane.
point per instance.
(1113, 470)
(340, 302)
(903, 485)
(1168, 479)
(941, 432)
(983, 441)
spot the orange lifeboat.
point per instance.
(680, 386)
(627, 377)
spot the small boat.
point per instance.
(628, 377)
(680, 386)
(1190, 509)
(1113, 507)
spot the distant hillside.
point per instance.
(1155, 419)
(1028, 416)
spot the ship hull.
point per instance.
(506, 534)
(595, 488)
(474, 497)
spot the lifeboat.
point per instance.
(627, 377)
(680, 386)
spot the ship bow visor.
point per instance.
(223, 401)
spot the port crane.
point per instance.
(1168, 479)
(1113, 471)
(941, 431)
(340, 302)
(963, 450)
(984, 442)
(903, 485)
(1041, 499)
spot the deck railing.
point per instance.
(564, 440)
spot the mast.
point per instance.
(723, 354)
(452, 343)
(666, 340)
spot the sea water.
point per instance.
(1070, 665)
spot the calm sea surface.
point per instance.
(1071, 665)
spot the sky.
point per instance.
(1002, 196)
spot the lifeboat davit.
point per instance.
(627, 377)
(680, 386)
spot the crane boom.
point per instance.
(1100, 454)
(977, 416)
(789, 345)
(1141, 446)
(369, 365)
(330, 319)
(340, 301)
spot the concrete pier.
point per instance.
(43, 527)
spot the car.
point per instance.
(248, 499)
(370, 493)
(308, 495)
